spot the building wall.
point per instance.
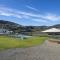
(54, 33)
(3, 31)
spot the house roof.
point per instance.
(52, 30)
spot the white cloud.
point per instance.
(51, 17)
(5, 14)
(9, 12)
(25, 15)
(39, 20)
(18, 14)
(32, 8)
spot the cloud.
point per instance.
(39, 20)
(32, 8)
(15, 13)
(5, 14)
(4, 11)
(51, 17)
(8, 12)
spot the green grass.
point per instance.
(9, 42)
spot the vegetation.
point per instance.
(9, 42)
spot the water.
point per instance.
(20, 36)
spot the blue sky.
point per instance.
(31, 12)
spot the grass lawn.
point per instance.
(9, 42)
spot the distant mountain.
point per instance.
(56, 26)
(19, 28)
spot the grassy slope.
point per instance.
(9, 42)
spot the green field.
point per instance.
(9, 42)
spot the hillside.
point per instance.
(19, 28)
(9, 25)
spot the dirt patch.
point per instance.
(54, 41)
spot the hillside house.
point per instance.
(5, 31)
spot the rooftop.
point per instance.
(52, 30)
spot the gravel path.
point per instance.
(46, 51)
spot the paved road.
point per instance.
(46, 51)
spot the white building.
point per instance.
(52, 31)
(5, 31)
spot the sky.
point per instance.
(31, 12)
